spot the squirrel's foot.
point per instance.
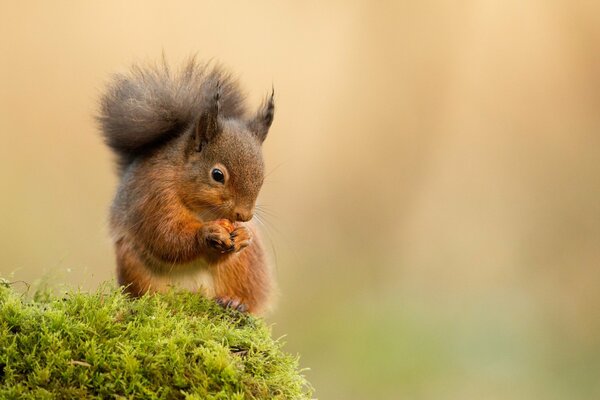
(234, 303)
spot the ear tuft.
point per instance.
(264, 118)
(208, 126)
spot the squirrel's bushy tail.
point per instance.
(152, 104)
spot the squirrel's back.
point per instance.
(152, 104)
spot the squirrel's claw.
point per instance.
(220, 245)
(230, 249)
(241, 237)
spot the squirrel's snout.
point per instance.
(243, 216)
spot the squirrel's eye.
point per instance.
(218, 175)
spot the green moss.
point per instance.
(105, 345)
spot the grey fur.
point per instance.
(151, 104)
(264, 118)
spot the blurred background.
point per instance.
(434, 177)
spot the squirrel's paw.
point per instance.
(242, 237)
(217, 236)
(234, 303)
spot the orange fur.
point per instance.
(157, 238)
(173, 221)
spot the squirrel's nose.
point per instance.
(243, 216)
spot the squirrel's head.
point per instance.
(224, 169)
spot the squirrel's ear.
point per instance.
(208, 125)
(264, 118)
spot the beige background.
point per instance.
(434, 187)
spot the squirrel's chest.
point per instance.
(193, 277)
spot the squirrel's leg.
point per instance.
(242, 280)
(131, 273)
(168, 233)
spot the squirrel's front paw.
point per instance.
(216, 235)
(224, 237)
(242, 237)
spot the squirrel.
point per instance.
(190, 168)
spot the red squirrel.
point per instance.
(190, 166)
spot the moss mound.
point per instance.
(106, 346)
